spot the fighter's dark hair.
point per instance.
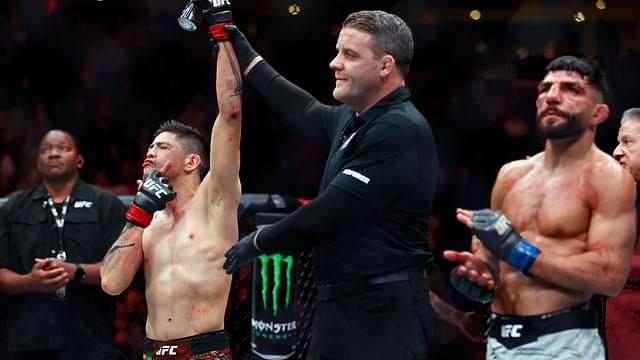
(589, 69)
(190, 139)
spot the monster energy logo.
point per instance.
(278, 259)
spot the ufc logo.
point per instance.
(217, 3)
(167, 350)
(153, 187)
(82, 204)
(510, 331)
(502, 225)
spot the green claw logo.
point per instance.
(278, 259)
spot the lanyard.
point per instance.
(59, 219)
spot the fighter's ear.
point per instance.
(600, 113)
(192, 162)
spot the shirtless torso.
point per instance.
(182, 248)
(552, 209)
(571, 203)
(186, 287)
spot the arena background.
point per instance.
(111, 71)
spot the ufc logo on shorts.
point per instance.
(167, 350)
(217, 3)
(510, 331)
(150, 185)
(502, 225)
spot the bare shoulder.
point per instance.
(606, 176)
(515, 170)
(605, 169)
(510, 174)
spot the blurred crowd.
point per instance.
(112, 71)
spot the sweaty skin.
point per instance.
(182, 250)
(554, 210)
(572, 201)
(186, 289)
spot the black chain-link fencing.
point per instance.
(238, 316)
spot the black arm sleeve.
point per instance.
(317, 222)
(296, 107)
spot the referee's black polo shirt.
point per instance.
(391, 164)
(93, 222)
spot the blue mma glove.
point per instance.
(497, 234)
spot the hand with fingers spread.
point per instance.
(498, 235)
(474, 278)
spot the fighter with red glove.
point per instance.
(152, 196)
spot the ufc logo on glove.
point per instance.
(154, 188)
(502, 225)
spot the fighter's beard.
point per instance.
(570, 129)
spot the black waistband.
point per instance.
(216, 340)
(356, 286)
(512, 331)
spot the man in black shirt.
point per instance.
(367, 225)
(52, 240)
(623, 309)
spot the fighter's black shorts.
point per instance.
(208, 346)
(513, 331)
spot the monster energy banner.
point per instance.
(273, 316)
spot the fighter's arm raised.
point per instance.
(223, 182)
(297, 108)
(604, 265)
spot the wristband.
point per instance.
(522, 255)
(138, 216)
(218, 33)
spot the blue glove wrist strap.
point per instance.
(522, 255)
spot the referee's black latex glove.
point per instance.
(240, 253)
(214, 48)
(244, 51)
